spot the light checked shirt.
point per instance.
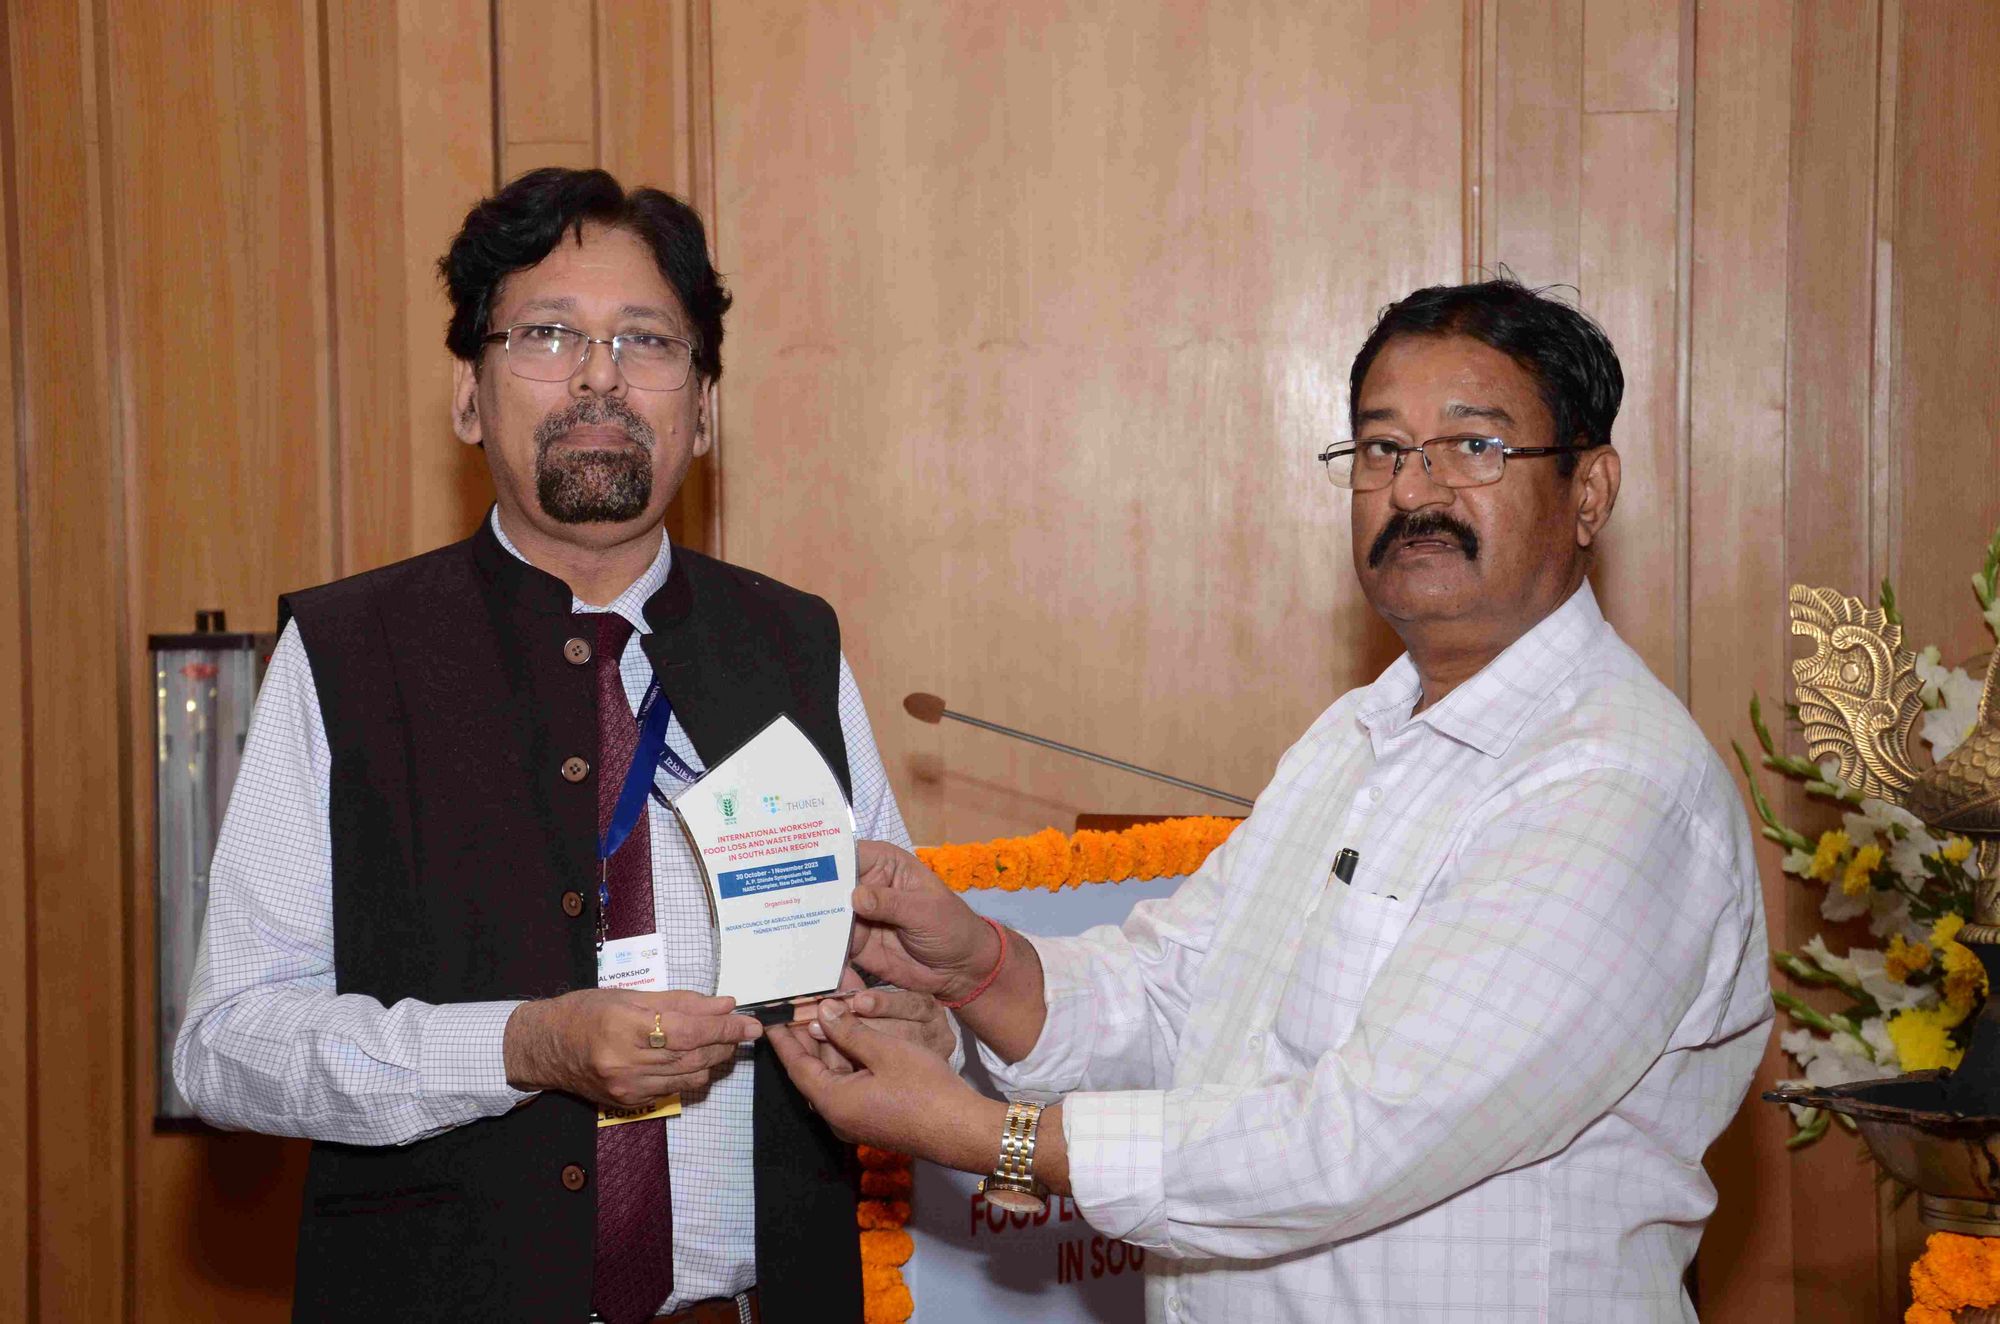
(1476, 1083)
(268, 1046)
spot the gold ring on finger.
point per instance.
(658, 1038)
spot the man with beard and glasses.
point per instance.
(1443, 1030)
(407, 900)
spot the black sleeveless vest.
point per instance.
(450, 709)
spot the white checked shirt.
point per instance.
(1475, 1084)
(268, 1046)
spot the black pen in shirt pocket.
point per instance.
(1344, 865)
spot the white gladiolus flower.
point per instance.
(1797, 862)
(1889, 916)
(1945, 729)
(1878, 818)
(1865, 967)
(1906, 857)
(1838, 907)
(1837, 966)
(1876, 1031)
(1890, 995)
(1838, 1059)
(1946, 725)
(1930, 674)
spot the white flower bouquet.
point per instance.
(1910, 1002)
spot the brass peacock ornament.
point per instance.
(1858, 699)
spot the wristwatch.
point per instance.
(1012, 1185)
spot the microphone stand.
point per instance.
(930, 708)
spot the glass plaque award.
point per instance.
(775, 838)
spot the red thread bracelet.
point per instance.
(991, 975)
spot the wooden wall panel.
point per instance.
(1736, 510)
(1830, 346)
(79, 791)
(1631, 55)
(17, 1129)
(229, 449)
(409, 149)
(370, 316)
(1531, 205)
(1946, 410)
(547, 83)
(1627, 280)
(1053, 303)
(445, 81)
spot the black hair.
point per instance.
(522, 223)
(1568, 355)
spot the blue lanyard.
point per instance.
(655, 711)
(664, 757)
(638, 777)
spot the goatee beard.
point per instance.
(594, 486)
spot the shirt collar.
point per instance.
(631, 604)
(1489, 710)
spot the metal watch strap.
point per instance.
(1016, 1168)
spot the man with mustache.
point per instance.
(407, 900)
(1443, 1030)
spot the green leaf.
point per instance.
(1814, 1019)
(1889, 603)
(1807, 971)
(1987, 581)
(1773, 829)
(1757, 725)
(1809, 1130)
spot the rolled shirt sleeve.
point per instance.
(1117, 995)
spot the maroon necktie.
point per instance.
(633, 1270)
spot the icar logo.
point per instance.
(727, 802)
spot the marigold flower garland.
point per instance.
(885, 1246)
(1051, 860)
(1954, 1272)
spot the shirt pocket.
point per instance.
(1351, 938)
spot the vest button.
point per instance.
(572, 1177)
(575, 769)
(572, 904)
(576, 652)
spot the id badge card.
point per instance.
(637, 962)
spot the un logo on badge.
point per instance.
(727, 802)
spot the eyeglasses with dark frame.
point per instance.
(552, 352)
(1369, 464)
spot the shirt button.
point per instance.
(572, 904)
(1257, 1041)
(576, 652)
(1374, 793)
(572, 1177)
(575, 769)
(1173, 1305)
